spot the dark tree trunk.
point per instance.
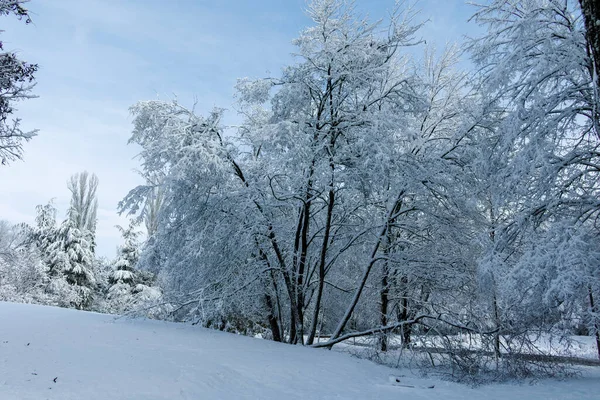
(495, 307)
(278, 313)
(300, 324)
(384, 292)
(289, 284)
(301, 270)
(324, 247)
(406, 335)
(273, 307)
(301, 244)
(358, 291)
(384, 302)
(272, 318)
(497, 323)
(591, 14)
(293, 339)
(367, 271)
(594, 310)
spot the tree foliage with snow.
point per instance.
(366, 193)
(132, 290)
(22, 272)
(44, 232)
(127, 259)
(369, 191)
(536, 68)
(16, 83)
(345, 165)
(66, 252)
(84, 202)
(71, 256)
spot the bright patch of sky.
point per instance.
(98, 57)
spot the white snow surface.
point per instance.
(95, 356)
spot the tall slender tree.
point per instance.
(84, 202)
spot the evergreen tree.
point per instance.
(130, 288)
(124, 271)
(71, 257)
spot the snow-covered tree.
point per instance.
(71, 256)
(365, 193)
(152, 209)
(124, 266)
(16, 83)
(542, 158)
(131, 289)
(44, 232)
(345, 163)
(22, 271)
(83, 187)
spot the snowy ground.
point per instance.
(51, 353)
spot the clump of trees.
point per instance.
(367, 193)
(56, 264)
(371, 194)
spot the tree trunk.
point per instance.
(278, 312)
(591, 14)
(301, 268)
(404, 317)
(289, 284)
(594, 310)
(406, 335)
(384, 301)
(271, 317)
(404, 313)
(273, 308)
(299, 324)
(324, 247)
(350, 310)
(497, 323)
(384, 293)
(301, 244)
(495, 307)
(382, 236)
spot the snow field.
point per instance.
(94, 356)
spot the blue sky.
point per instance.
(98, 57)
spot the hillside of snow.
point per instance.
(52, 353)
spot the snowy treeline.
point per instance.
(368, 191)
(56, 264)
